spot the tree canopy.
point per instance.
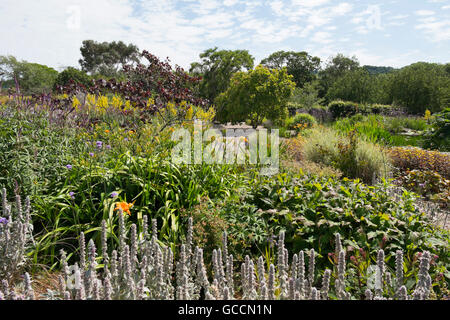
(302, 66)
(336, 67)
(107, 58)
(422, 86)
(32, 77)
(217, 67)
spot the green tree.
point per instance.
(107, 58)
(335, 68)
(355, 85)
(302, 66)
(308, 96)
(216, 69)
(32, 77)
(255, 95)
(78, 76)
(422, 86)
(382, 88)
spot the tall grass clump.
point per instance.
(354, 156)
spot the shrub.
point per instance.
(406, 159)
(301, 121)
(427, 183)
(308, 206)
(341, 109)
(380, 109)
(355, 157)
(72, 74)
(256, 95)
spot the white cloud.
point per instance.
(437, 31)
(424, 12)
(38, 30)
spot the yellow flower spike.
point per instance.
(76, 103)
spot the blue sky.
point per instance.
(392, 33)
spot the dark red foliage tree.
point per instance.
(157, 80)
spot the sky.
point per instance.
(383, 33)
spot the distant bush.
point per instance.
(301, 121)
(340, 109)
(380, 109)
(76, 75)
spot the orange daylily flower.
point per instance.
(125, 207)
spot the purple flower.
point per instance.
(91, 154)
(126, 139)
(99, 144)
(72, 195)
(114, 194)
(3, 221)
(108, 147)
(69, 167)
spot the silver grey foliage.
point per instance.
(143, 269)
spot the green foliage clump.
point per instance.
(311, 210)
(438, 136)
(107, 58)
(380, 108)
(307, 96)
(73, 74)
(301, 121)
(302, 66)
(421, 86)
(216, 69)
(256, 95)
(430, 184)
(32, 78)
(355, 85)
(342, 109)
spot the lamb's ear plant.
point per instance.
(15, 236)
(144, 270)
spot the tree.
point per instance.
(217, 67)
(150, 87)
(73, 74)
(422, 86)
(308, 96)
(336, 67)
(302, 66)
(355, 85)
(255, 95)
(374, 70)
(32, 77)
(107, 58)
